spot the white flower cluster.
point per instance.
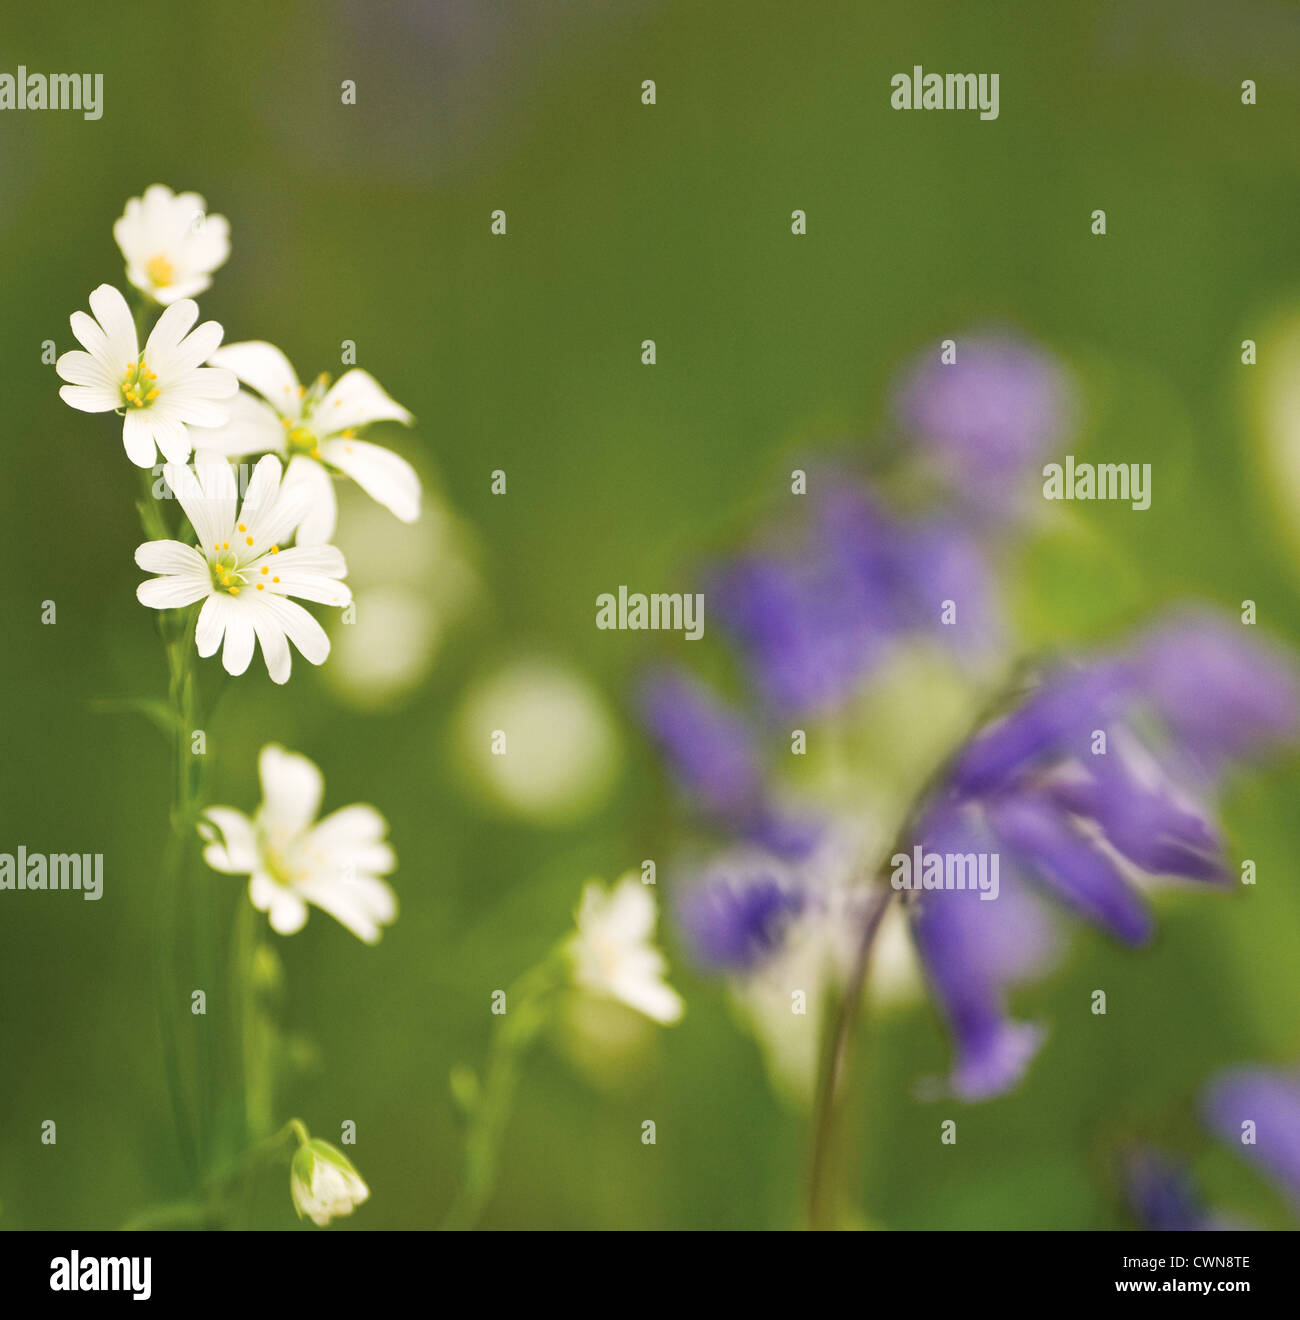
(179, 396)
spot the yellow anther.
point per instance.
(275, 549)
(261, 586)
(225, 545)
(153, 393)
(242, 528)
(265, 569)
(275, 579)
(249, 539)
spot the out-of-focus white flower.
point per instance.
(316, 430)
(559, 752)
(294, 860)
(162, 392)
(612, 954)
(240, 572)
(171, 244)
(324, 1183)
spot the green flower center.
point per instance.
(225, 572)
(138, 388)
(302, 440)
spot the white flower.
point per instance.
(239, 571)
(316, 430)
(293, 860)
(324, 1183)
(611, 952)
(170, 243)
(161, 392)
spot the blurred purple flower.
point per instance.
(1164, 1197)
(713, 754)
(1221, 696)
(814, 622)
(734, 917)
(974, 951)
(1269, 1099)
(987, 418)
(1030, 789)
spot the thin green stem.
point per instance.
(839, 1022)
(528, 1006)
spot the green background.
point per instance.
(672, 222)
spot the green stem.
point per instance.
(839, 1023)
(182, 818)
(528, 1005)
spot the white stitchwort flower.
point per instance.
(293, 860)
(316, 430)
(161, 392)
(170, 243)
(324, 1183)
(612, 954)
(239, 570)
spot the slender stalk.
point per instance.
(836, 1036)
(528, 1004)
(166, 991)
(840, 1021)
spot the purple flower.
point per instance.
(1268, 1100)
(815, 620)
(736, 916)
(987, 418)
(1036, 789)
(713, 754)
(1221, 694)
(974, 951)
(1164, 1197)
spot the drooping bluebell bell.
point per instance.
(1085, 823)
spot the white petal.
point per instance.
(234, 852)
(92, 399)
(382, 474)
(310, 573)
(318, 523)
(161, 349)
(197, 347)
(292, 788)
(211, 627)
(173, 591)
(356, 399)
(349, 828)
(240, 637)
(80, 368)
(207, 494)
(361, 903)
(264, 368)
(138, 437)
(90, 335)
(112, 312)
(253, 427)
(170, 557)
(275, 646)
(302, 630)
